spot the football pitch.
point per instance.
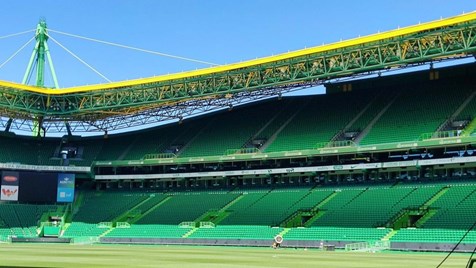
(65, 255)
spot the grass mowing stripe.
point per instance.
(64, 255)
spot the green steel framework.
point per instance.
(38, 56)
(147, 103)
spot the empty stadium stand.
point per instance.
(428, 206)
(334, 213)
(377, 111)
(348, 213)
(22, 220)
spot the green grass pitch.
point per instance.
(64, 255)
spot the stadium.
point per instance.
(235, 172)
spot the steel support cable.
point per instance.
(135, 48)
(79, 59)
(16, 34)
(456, 246)
(16, 52)
(35, 64)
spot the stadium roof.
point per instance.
(138, 102)
(419, 28)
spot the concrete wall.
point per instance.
(224, 242)
(41, 240)
(286, 243)
(431, 247)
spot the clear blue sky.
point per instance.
(215, 31)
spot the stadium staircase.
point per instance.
(158, 140)
(305, 215)
(231, 129)
(318, 122)
(189, 233)
(149, 206)
(273, 130)
(285, 231)
(98, 210)
(389, 235)
(137, 211)
(375, 119)
(413, 208)
(450, 219)
(447, 124)
(358, 117)
(437, 196)
(264, 131)
(194, 137)
(470, 128)
(469, 113)
(428, 205)
(463, 106)
(216, 216)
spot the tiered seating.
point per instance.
(417, 197)
(342, 198)
(455, 208)
(349, 213)
(27, 150)
(151, 202)
(113, 147)
(415, 111)
(105, 206)
(469, 112)
(311, 200)
(158, 140)
(83, 229)
(320, 119)
(5, 232)
(230, 130)
(91, 149)
(149, 231)
(287, 109)
(382, 99)
(183, 207)
(376, 206)
(21, 219)
(237, 232)
(337, 233)
(454, 216)
(9, 216)
(266, 209)
(433, 236)
(371, 207)
(101, 207)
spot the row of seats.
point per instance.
(77, 229)
(337, 233)
(434, 236)
(183, 207)
(103, 206)
(338, 208)
(237, 232)
(418, 109)
(149, 231)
